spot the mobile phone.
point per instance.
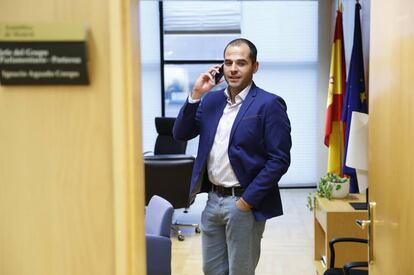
(219, 75)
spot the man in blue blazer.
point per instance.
(244, 149)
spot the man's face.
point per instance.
(238, 67)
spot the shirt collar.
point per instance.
(240, 97)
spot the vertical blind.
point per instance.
(202, 16)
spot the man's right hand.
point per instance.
(205, 83)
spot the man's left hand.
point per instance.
(243, 205)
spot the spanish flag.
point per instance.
(334, 127)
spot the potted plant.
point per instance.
(330, 186)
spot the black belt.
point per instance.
(227, 191)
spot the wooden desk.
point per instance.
(336, 218)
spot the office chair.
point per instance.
(348, 268)
(165, 143)
(168, 171)
(158, 218)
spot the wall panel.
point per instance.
(65, 174)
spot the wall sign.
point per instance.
(43, 54)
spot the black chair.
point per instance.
(168, 171)
(348, 268)
(169, 177)
(165, 144)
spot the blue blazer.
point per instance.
(259, 146)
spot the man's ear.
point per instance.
(255, 67)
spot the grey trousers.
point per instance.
(230, 237)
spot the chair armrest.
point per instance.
(158, 254)
(340, 240)
(350, 265)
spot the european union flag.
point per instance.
(356, 98)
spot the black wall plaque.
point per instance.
(43, 63)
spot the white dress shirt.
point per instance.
(219, 168)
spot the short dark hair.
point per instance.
(238, 42)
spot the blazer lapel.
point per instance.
(245, 105)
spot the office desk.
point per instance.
(336, 218)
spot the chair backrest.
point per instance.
(169, 178)
(158, 217)
(165, 143)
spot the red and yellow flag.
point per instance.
(334, 128)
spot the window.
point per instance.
(193, 41)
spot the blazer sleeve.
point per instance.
(277, 142)
(187, 124)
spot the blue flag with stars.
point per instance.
(356, 98)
